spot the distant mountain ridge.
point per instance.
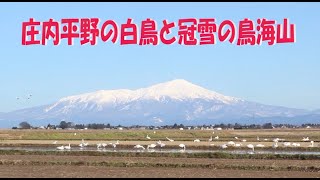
(176, 101)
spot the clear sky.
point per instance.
(283, 74)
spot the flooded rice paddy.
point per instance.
(158, 150)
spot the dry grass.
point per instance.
(138, 135)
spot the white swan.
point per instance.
(113, 145)
(276, 140)
(305, 139)
(104, 145)
(60, 147)
(231, 143)
(171, 140)
(286, 144)
(151, 146)
(251, 146)
(67, 147)
(84, 143)
(312, 144)
(138, 146)
(275, 145)
(182, 146)
(161, 144)
(224, 146)
(296, 144)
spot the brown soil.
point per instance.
(138, 172)
(167, 160)
(17, 171)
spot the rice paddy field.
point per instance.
(33, 153)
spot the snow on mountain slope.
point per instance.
(96, 99)
(164, 103)
(177, 89)
(181, 89)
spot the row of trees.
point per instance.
(311, 125)
(235, 126)
(66, 125)
(25, 125)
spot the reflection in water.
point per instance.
(182, 150)
(159, 150)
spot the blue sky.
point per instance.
(283, 74)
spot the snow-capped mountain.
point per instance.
(177, 101)
(176, 90)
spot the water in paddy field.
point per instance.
(110, 149)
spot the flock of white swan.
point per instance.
(160, 144)
(85, 144)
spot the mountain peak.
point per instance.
(181, 89)
(178, 82)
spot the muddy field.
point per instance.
(17, 166)
(138, 172)
(54, 163)
(129, 138)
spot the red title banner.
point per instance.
(190, 31)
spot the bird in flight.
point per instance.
(27, 97)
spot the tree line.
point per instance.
(68, 125)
